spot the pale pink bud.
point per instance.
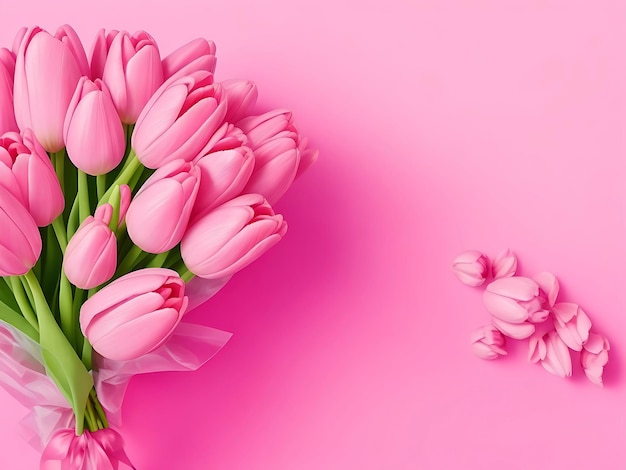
(223, 176)
(227, 137)
(26, 171)
(594, 356)
(125, 198)
(488, 343)
(130, 66)
(471, 267)
(7, 72)
(231, 236)
(101, 450)
(504, 264)
(20, 241)
(158, 215)
(552, 352)
(516, 300)
(572, 324)
(275, 141)
(47, 70)
(549, 285)
(135, 314)
(91, 255)
(94, 135)
(197, 55)
(241, 96)
(179, 120)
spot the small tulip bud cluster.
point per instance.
(526, 308)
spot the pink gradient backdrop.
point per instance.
(443, 126)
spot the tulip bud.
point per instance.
(516, 299)
(135, 314)
(241, 96)
(307, 156)
(223, 176)
(158, 215)
(277, 151)
(231, 236)
(594, 357)
(572, 324)
(91, 255)
(471, 268)
(552, 352)
(227, 137)
(197, 55)
(7, 72)
(20, 242)
(26, 171)
(101, 450)
(514, 330)
(179, 120)
(93, 132)
(130, 66)
(47, 70)
(488, 343)
(504, 264)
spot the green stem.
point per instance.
(84, 208)
(101, 184)
(129, 261)
(158, 261)
(23, 303)
(58, 161)
(131, 166)
(99, 409)
(187, 275)
(13, 318)
(66, 309)
(59, 231)
(87, 354)
(72, 220)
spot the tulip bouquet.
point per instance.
(131, 189)
(526, 307)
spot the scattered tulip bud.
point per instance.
(471, 268)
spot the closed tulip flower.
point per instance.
(488, 343)
(196, 55)
(277, 150)
(241, 96)
(93, 131)
(179, 120)
(158, 215)
(231, 236)
(135, 314)
(470, 267)
(223, 176)
(7, 72)
(504, 264)
(516, 300)
(572, 324)
(26, 171)
(594, 357)
(91, 255)
(553, 353)
(20, 242)
(514, 330)
(130, 66)
(47, 70)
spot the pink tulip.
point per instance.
(125, 198)
(241, 96)
(572, 324)
(130, 66)
(516, 300)
(93, 131)
(594, 356)
(20, 242)
(223, 176)
(277, 150)
(101, 450)
(231, 236)
(7, 72)
(504, 264)
(488, 343)
(158, 215)
(91, 255)
(179, 120)
(26, 171)
(135, 314)
(552, 352)
(471, 268)
(47, 70)
(227, 137)
(197, 55)
(307, 156)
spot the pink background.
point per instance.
(443, 126)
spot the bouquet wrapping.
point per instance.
(132, 188)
